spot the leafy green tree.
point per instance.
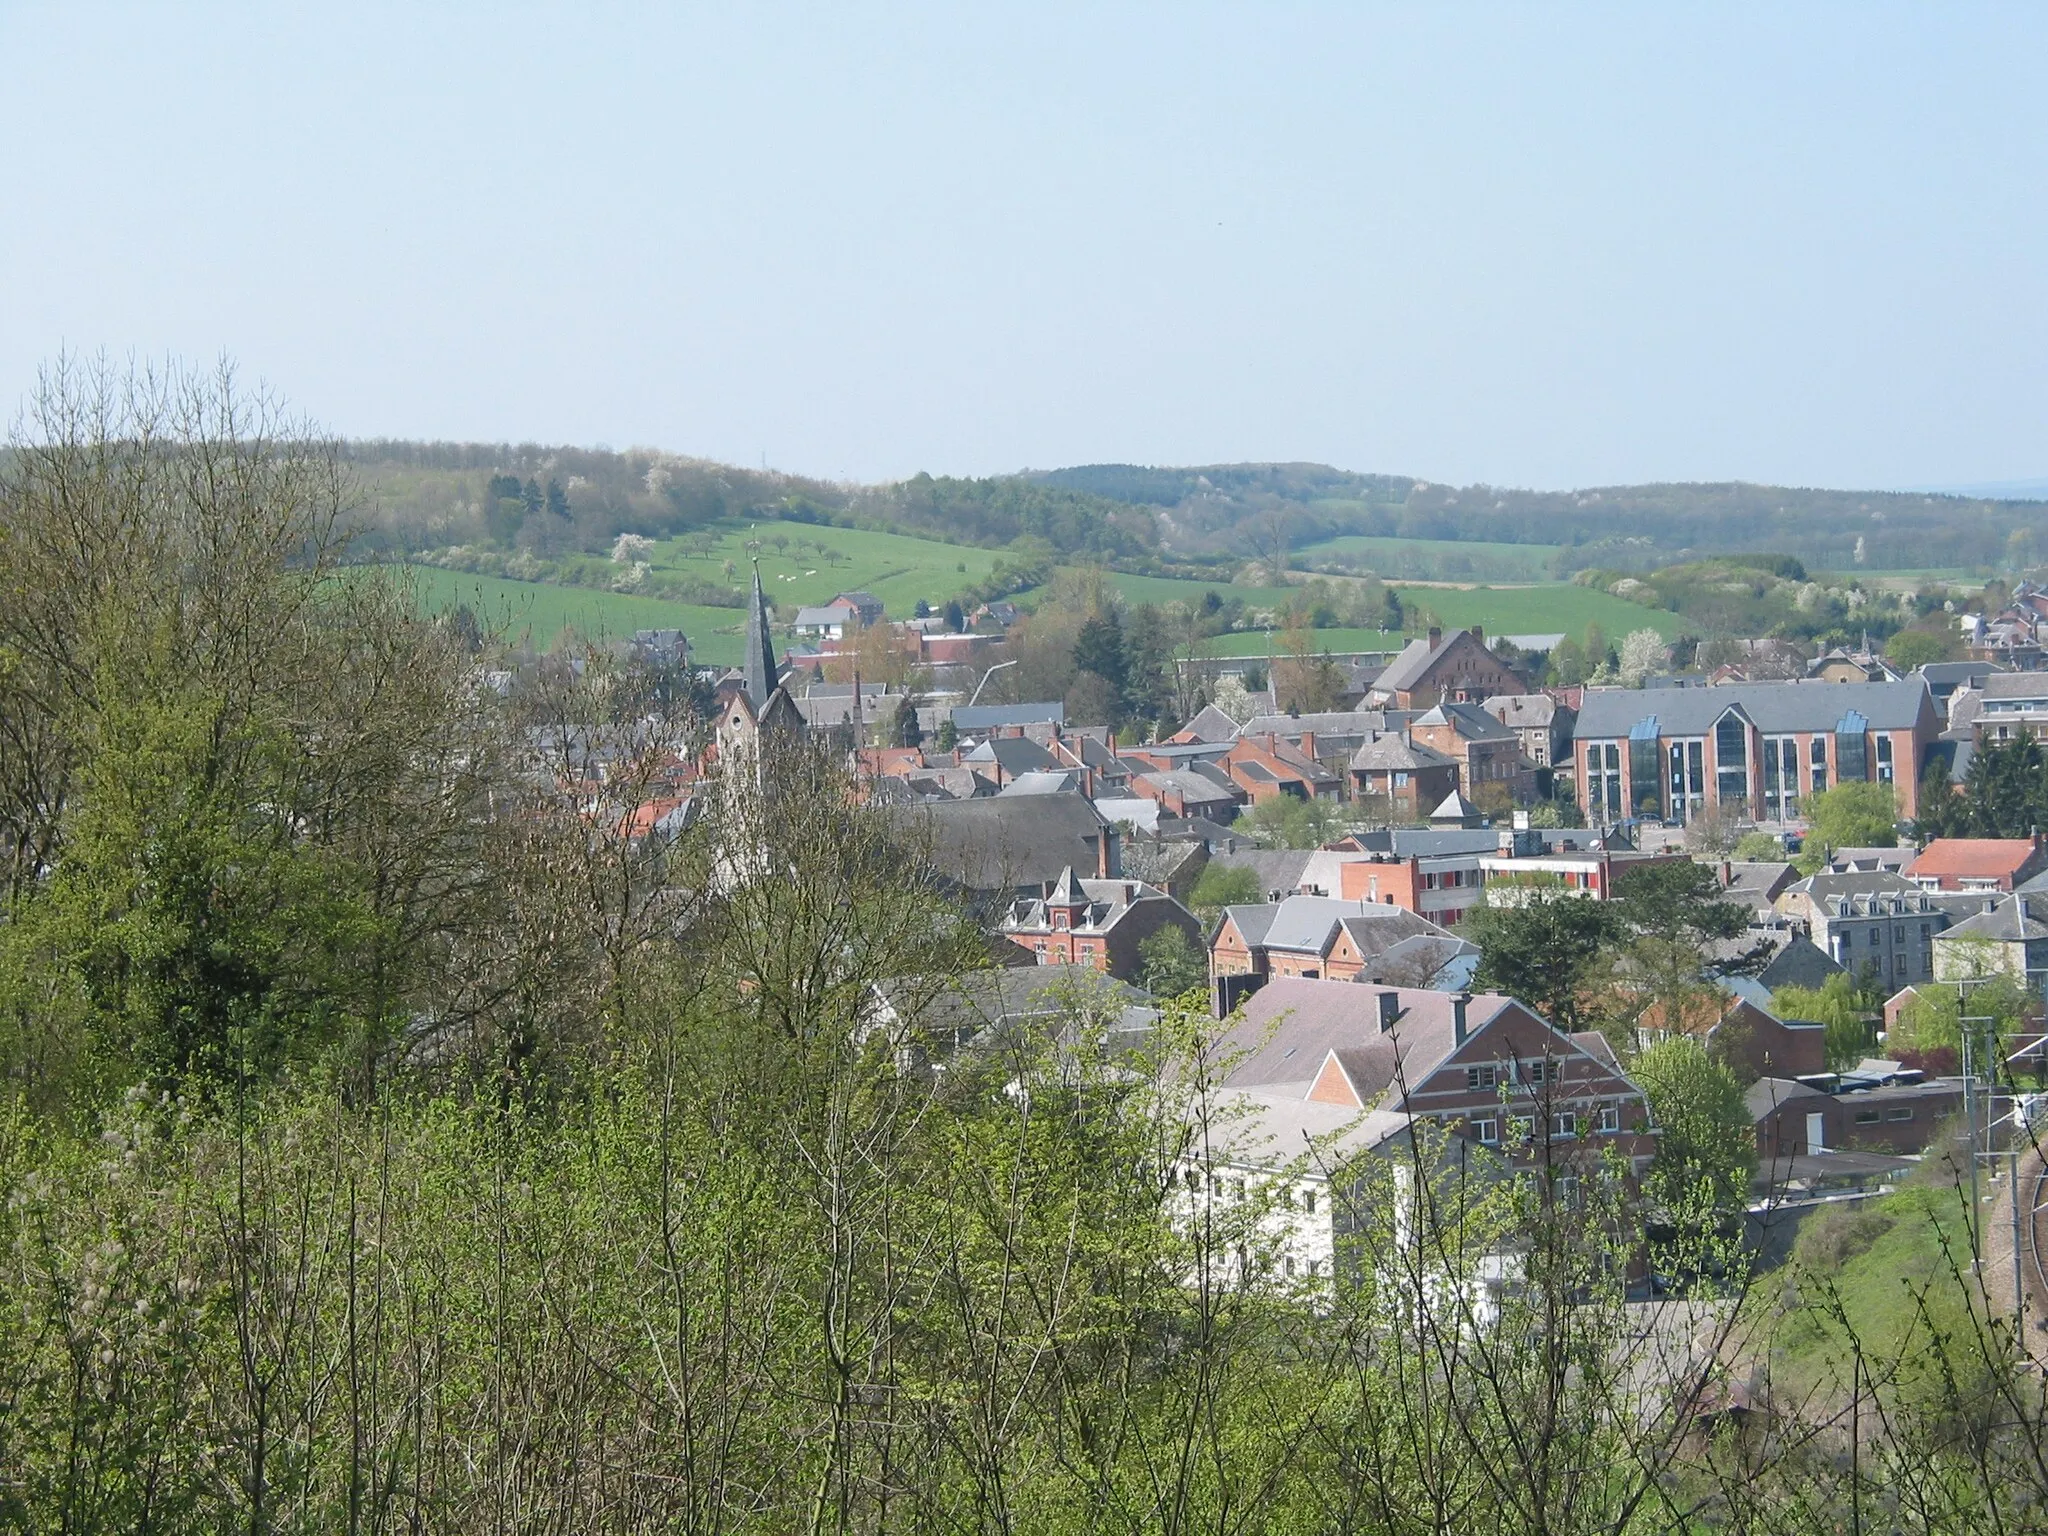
(1759, 848)
(1849, 1012)
(1910, 649)
(1225, 885)
(1705, 1140)
(1670, 913)
(1544, 945)
(1568, 663)
(1169, 964)
(1285, 821)
(1852, 815)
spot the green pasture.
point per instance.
(795, 573)
(1540, 608)
(1436, 559)
(541, 611)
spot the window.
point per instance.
(1481, 1079)
(1194, 1180)
(1610, 1119)
(1308, 1201)
(1520, 1127)
(1899, 932)
(1488, 1132)
(1873, 936)
(1565, 1187)
(1532, 1073)
(1564, 1125)
(1820, 763)
(1884, 758)
(1315, 1267)
(1781, 778)
(1688, 780)
(1290, 1266)
(1642, 769)
(1868, 1116)
(1899, 964)
(1237, 1191)
(1903, 1112)
(1852, 747)
(1731, 760)
(1400, 781)
(1603, 779)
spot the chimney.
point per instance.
(1109, 863)
(1479, 633)
(1308, 744)
(1390, 1010)
(1458, 1002)
(1436, 637)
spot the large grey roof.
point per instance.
(983, 717)
(2017, 919)
(1391, 751)
(1278, 869)
(1211, 724)
(999, 842)
(1309, 922)
(1605, 713)
(1332, 723)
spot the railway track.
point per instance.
(2034, 1230)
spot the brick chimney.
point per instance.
(1436, 637)
(1479, 633)
(1308, 744)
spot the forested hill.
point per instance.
(430, 495)
(1620, 526)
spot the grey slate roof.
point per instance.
(1278, 869)
(1014, 754)
(985, 717)
(996, 842)
(1397, 752)
(1472, 722)
(1607, 713)
(1211, 724)
(2017, 919)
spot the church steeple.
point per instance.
(760, 667)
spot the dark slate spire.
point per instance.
(760, 657)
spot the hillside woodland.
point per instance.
(390, 1145)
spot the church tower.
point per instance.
(759, 667)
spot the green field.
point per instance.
(1436, 559)
(1542, 608)
(540, 611)
(895, 567)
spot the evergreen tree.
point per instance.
(1100, 649)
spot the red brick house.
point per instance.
(1435, 669)
(1486, 1068)
(1096, 923)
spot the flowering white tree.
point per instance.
(1642, 653)
(631, 549)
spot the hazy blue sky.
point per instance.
(1537, 245)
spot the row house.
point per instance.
(1756, 749)
(1096, 923)
(1328, 1073)
(1312, 937)
(1488, 754)
(1487, 1070)
(1541, 721)
(1875, 924)
(1410, 777)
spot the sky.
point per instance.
(1545, 246)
